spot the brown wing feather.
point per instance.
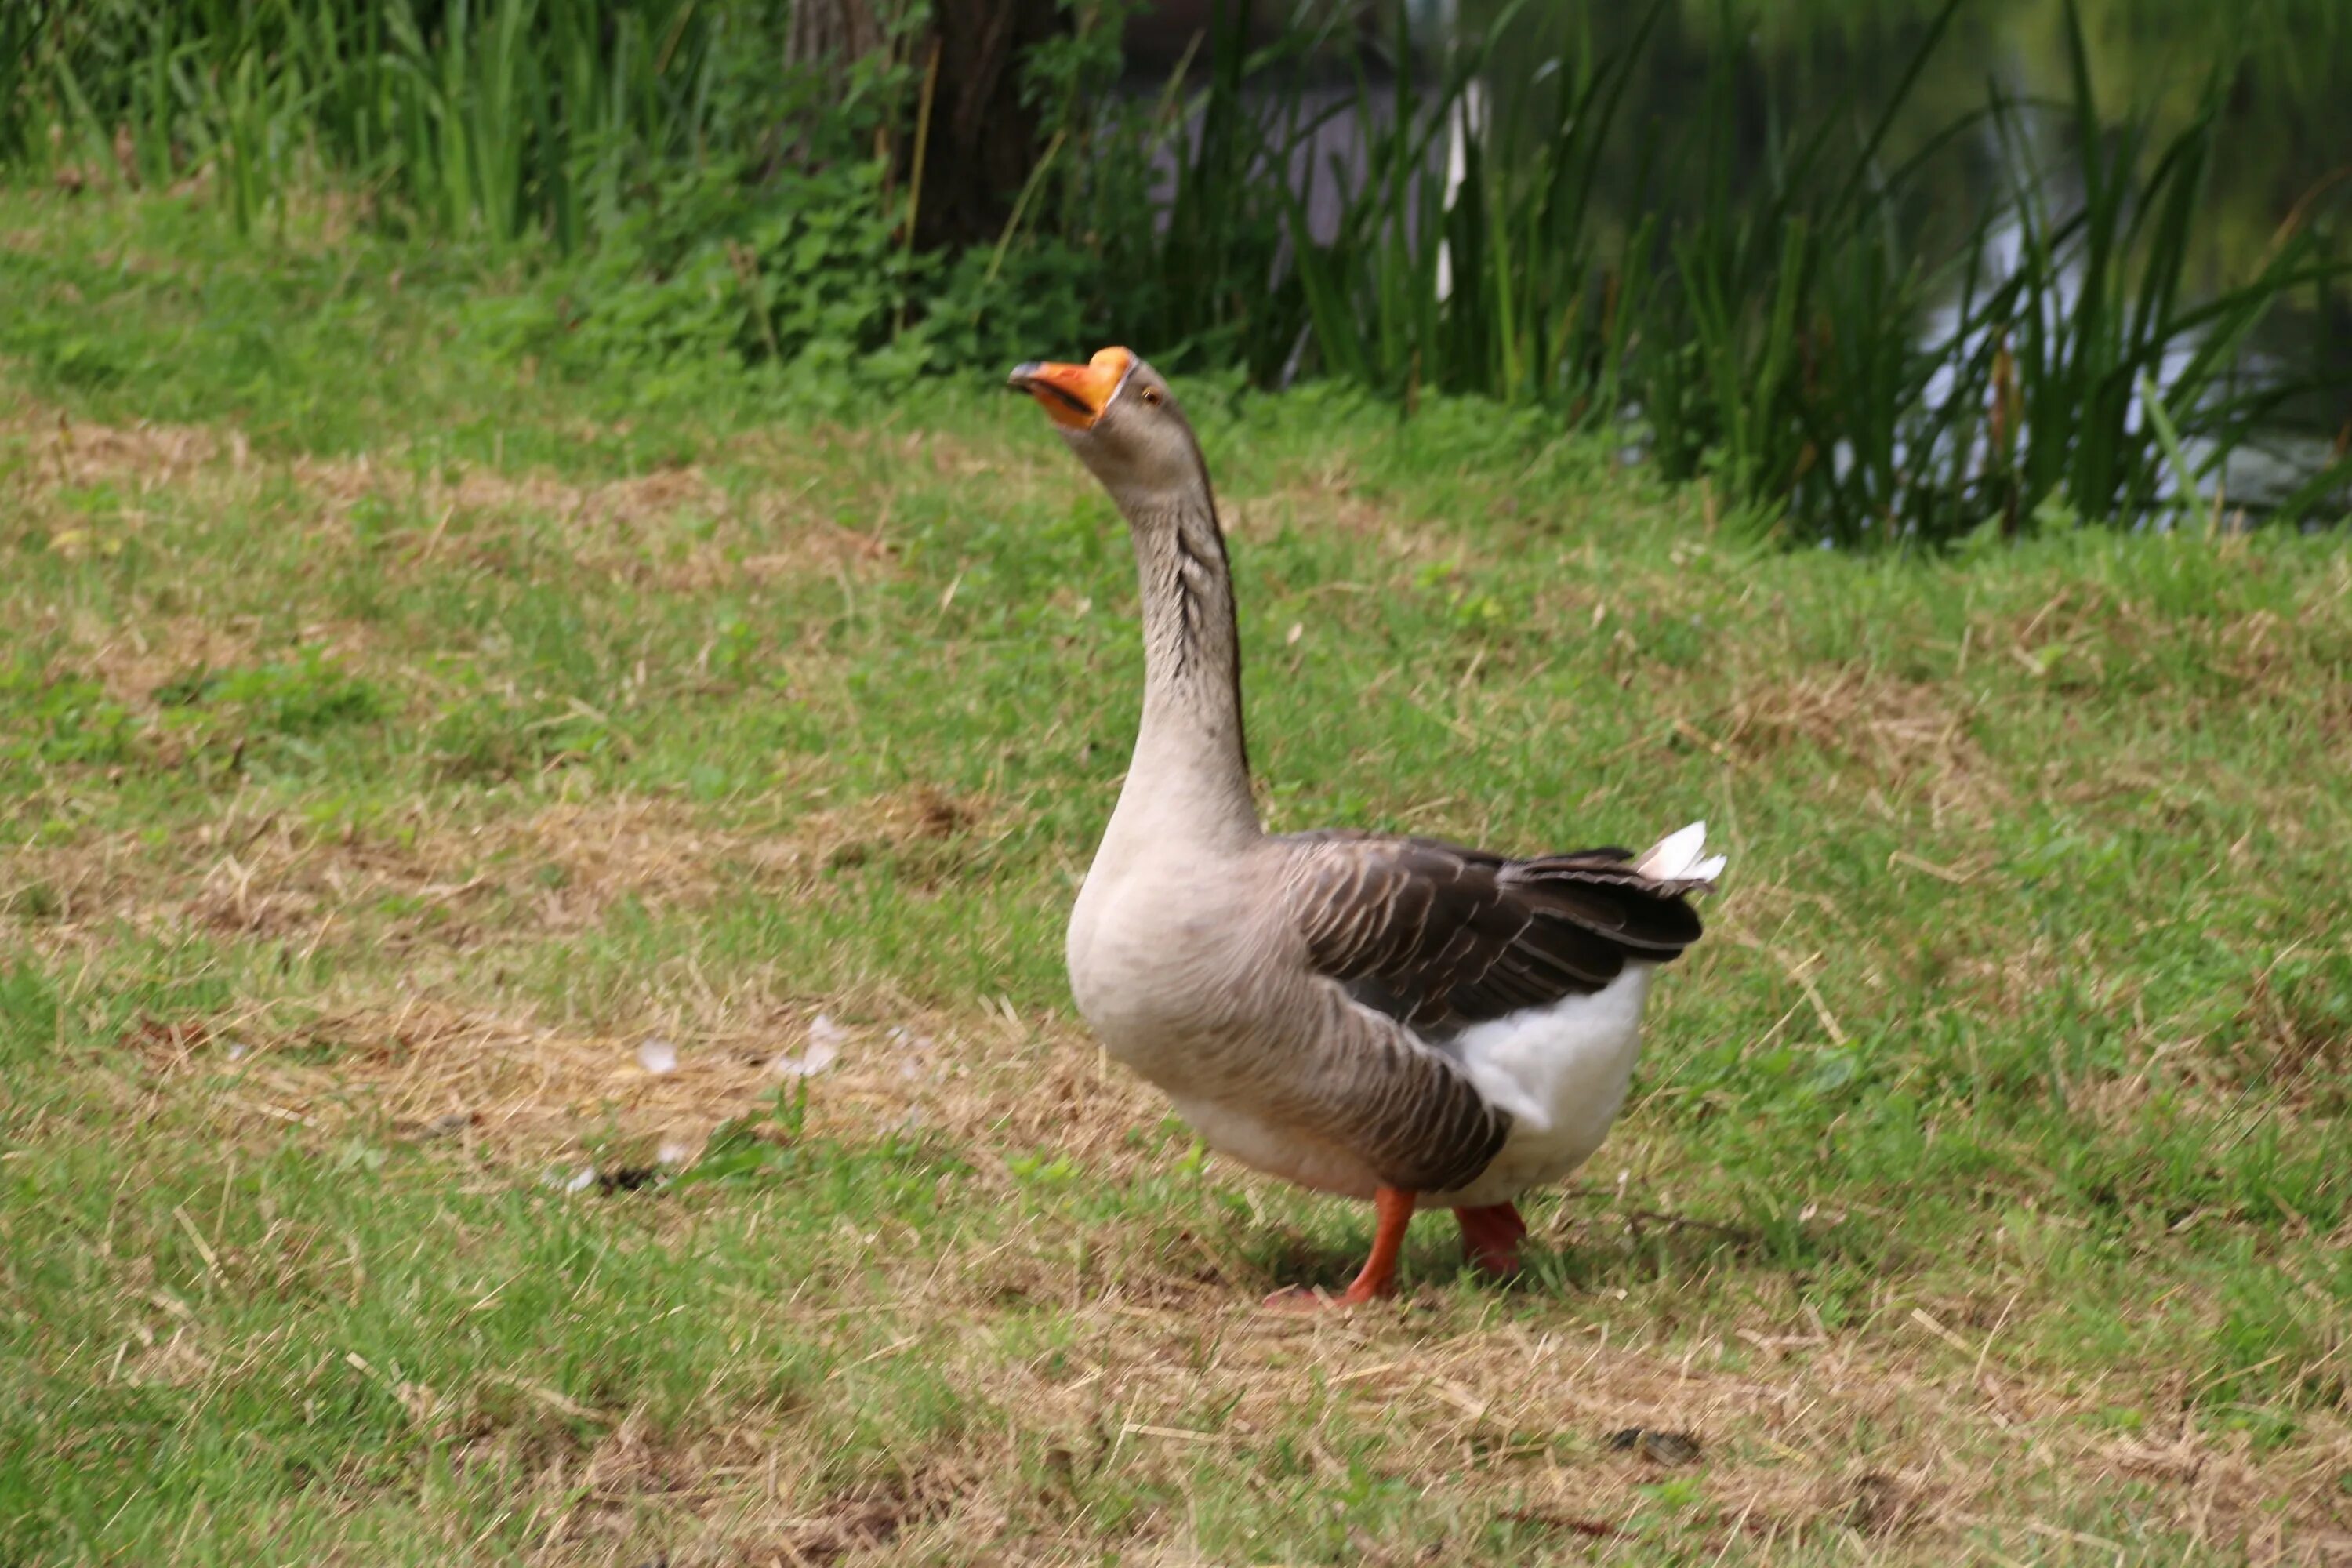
(1417, 1118)
(1440, 937)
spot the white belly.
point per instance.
(1561, 1072)
(1239, 1134)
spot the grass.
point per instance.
(396, 739)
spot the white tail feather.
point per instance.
(1677, 857)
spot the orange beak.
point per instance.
(1073, 395)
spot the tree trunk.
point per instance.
(981, 142)
(830, 30)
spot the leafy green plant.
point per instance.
(801, 268)
(1781, 331)
(61, 718)
(302, 696)
(752, 1148)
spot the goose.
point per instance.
(1399, 1019)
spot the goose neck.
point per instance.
(1191, 768)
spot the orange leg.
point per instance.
(1392, 1209)
(1491, 1237)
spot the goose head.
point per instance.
(1118, 415)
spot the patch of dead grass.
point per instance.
(928, 830)
(556, 869)
(2087, 634)
(140, 457)
(135, 660)
(1907, 738)
(444, 896)
(674, 529)
(1852, 1433)
(1329, 502)
(522, 1091)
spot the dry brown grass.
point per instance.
(1333, 500)
(673, 529)
(424, 881)
(522, 1091)
(256, 873)
(144, 458)
(1906, 738)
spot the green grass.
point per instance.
(394, 737)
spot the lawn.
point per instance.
(407, 755)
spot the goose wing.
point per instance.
(1439, 937)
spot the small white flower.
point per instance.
(824, 1049)
(809, 1063)
(582, 1181)
(673, 1152)
(657, 1056)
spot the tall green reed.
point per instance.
(506, 119)
(1470, 257)
(2113, 358)
(2069, 371)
